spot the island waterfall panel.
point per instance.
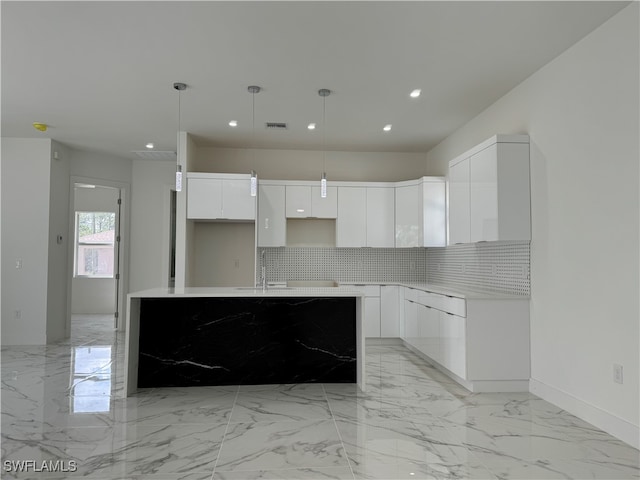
(245, 341)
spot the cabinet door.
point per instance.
(298, 201)
(409, 216)
(237, 202)
(272, 226)
(380, 217)
(459, 212)
(411, 322)
(484, 195)
(430, 333)
(204, 198)
(324, 207)
(453, 341)
(372, 317)
(351, 229)
(434, 214)
(389, 311)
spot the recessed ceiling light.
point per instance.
(387, 127)
(311, 126)
(233, 123)
(415, 93)
(149, 145)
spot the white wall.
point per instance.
(26, 165)
(224, 254)
(307, 164)
(93, 295)
(581, 111)
(98, 166)
(58, 266)
(150, 223)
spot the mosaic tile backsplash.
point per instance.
(344, 264)
(501, 267)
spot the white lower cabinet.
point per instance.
(452, 351)
(411, 323)
(483, 342)
(389, 310)
(429, 330)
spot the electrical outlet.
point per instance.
(19, 263)
(236, 263)
(617, 373)
(17, 314)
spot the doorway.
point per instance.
(96, 279)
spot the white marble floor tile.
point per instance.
(64, 402)
(171, 449)
(328, 473)
(411, 470)
(281, 445)
(379, 441)
(267, 406)
(194, 405)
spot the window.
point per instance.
(95, 235)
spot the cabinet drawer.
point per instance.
(454, 305)
(410, 294)
(372, 290)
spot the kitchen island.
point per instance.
(234, 336)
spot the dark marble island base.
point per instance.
(240, 341)
(181, 340)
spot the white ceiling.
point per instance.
(100, 74)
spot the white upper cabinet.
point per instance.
(272, 226)
(220, 197)
(489, 193)
(304, 201)
(421, 213)
(324, 207)
(351, 225)
(408, 216)
(365, 217)
(380, 217)
(459, 206)
(434, 212)
(298, 201)
(499, 193)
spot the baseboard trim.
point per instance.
(616, 426)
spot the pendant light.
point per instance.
(324, 93)
(179, 87)
(253, 89)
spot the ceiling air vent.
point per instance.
(275, 126)
(155, 155)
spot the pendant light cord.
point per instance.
(324, 134)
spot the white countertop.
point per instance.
(245, 292)
(346, 290)
(447, 290)
(463, 293)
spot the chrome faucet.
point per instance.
(263, 269)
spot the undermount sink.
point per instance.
(312, 283)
